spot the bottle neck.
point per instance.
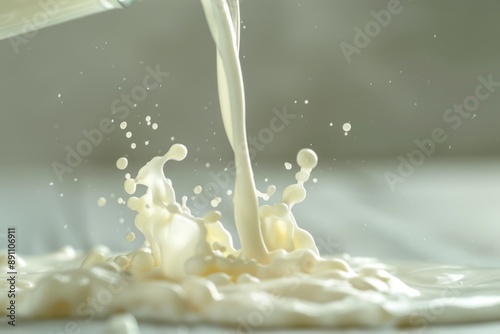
(23, 18)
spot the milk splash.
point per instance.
(189, 271)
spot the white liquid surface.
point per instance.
(188, 270)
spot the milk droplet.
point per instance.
(133, 145)
(306, 102)
(197, 190)
(122, 324)
(346, 127)
(307, 158)
(148, 118)
(271, 189)
(128, 134)
(123, 125)
(122, 163)
(315, 180)
(101, 201)
(154, 126)
(229, 192)
(288, 166)
(131, 236)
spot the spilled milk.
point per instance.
(188, 270)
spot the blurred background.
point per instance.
(390, 69)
